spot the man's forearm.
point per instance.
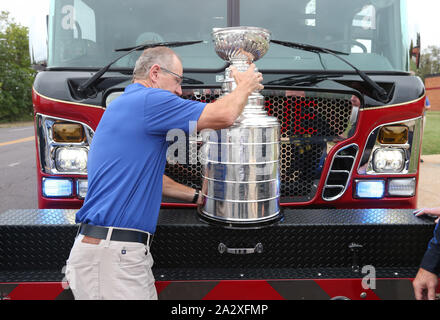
(176, 190)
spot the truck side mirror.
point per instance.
(38, 45)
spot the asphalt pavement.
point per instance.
(18, 181)
(18, 177)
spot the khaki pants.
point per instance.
(110, 270)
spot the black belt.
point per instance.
(99, 232)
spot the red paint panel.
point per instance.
(243, 290)
(160, 285)
(350, 288)
(88, 114)
(36, 291)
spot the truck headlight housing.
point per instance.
(393, 149)
(63, 145)
(388, 160)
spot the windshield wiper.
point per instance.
(301, 79)
(94, 79)
(380, 93)
(307, 47)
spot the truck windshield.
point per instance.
(85, 33)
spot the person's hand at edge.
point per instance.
(435, 211)
(425, 285)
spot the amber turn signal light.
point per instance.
(393, 135)
(68, 132)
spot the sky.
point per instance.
(423, 16)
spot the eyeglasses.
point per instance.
(174, 74)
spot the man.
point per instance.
(111, 258)
(426, 281)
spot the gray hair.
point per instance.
(162, 56)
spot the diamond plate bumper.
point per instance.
(315, 245)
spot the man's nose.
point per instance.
(179, 90)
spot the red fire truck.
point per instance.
(337, 78)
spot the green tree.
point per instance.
(16, 74)
(429, 62)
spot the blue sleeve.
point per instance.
(164, 111)
(431, 259)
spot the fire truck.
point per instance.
(336, 77)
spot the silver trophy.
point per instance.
(240, 164)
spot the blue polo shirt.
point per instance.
(127, 157)
(431, 258)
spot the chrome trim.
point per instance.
(350, 172)
(222, 248)
(47, 146)
(412, 148)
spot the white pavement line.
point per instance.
(14, 164)
(20, 129)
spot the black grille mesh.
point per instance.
(309, 116)
(307, 123)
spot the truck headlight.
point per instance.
(388, 160)
(71, 159)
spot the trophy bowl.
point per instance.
(239, 43)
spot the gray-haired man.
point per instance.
(111, 258)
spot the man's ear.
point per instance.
(154, 72)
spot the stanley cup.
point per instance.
(241, 163)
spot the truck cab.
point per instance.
(339, 141)
(336, 77)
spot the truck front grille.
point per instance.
(309, 122)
